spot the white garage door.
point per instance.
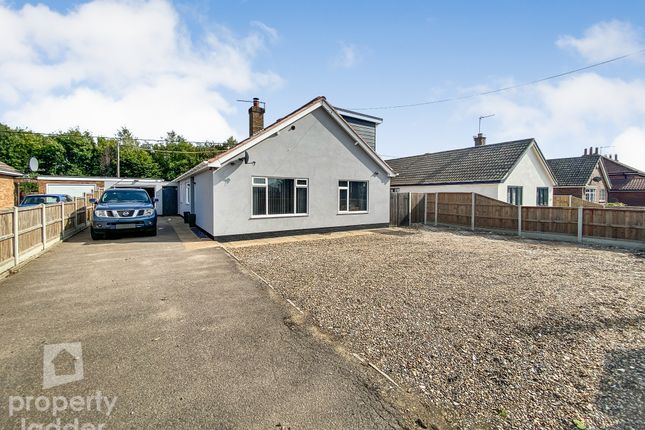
(74, 190)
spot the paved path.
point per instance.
(180, 334)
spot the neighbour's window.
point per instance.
(590, 194)
(187, 193)
(352, 196)
(395, 190)
(543, 196)
(514, 195)
(279, 196)
(603, 195)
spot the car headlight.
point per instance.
(100, 214)
(148, 212)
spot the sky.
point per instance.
(155, 66)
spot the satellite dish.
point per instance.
(597, 179)
(33, 164)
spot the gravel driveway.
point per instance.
(495, 331)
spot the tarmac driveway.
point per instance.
(173, 334)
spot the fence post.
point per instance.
(569, 200)
(425, 208)
(472, 212)
(519, 220)
(43, 217)
(580, 222)
(62, 220)
(16, 233)
(436, 208)
(409, 208)
(75, 213)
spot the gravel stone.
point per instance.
(494, 331)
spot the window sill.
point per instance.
(352, 212)
(278, 216)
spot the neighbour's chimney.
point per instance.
(585, 151)
(596, 151)
(590, 150)
(480, 139)
(256, 117)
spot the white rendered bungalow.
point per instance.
(309, 171)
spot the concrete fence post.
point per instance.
(519, 220)
(580, 222)
(436, 208)
(472, 212)
(409, 208)
(75, 213)
(425, 208)
(43, 217)
(62, 220)
(16, 234)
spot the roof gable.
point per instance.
(486, 163)
(576, 171)
(615, 167)
(319, 102)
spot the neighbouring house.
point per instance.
(77, 186)
(627, 183)
(584, 177)
(515, 172)
(8, 177)
(308, 171)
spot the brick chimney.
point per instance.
(480, 139)
(256, 117)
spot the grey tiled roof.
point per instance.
(487, 163)
(573, 171)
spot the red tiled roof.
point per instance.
(629, 183)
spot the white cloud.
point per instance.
(630, 146)
(605, 40)
(347, 57)
(569, 115)
(111, 63)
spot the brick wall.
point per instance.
(7, 192)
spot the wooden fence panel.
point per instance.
(418, 206)
(30, 225)
(455, 208)
(573, 202)
(614, 223)
(6, 236)
(545, 219)
(430, 197)
(494, 214)
(69, 216)
(399, 209)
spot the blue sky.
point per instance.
(182, 65)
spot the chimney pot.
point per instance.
(480, 139)
(596, 151)
(585, 151)
(256, 117)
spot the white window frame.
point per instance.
(602, 196)
(265, 179)
(590, 192)
(187, 192)
(347, 187)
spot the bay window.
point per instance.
(352, 196)
(279, 196)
